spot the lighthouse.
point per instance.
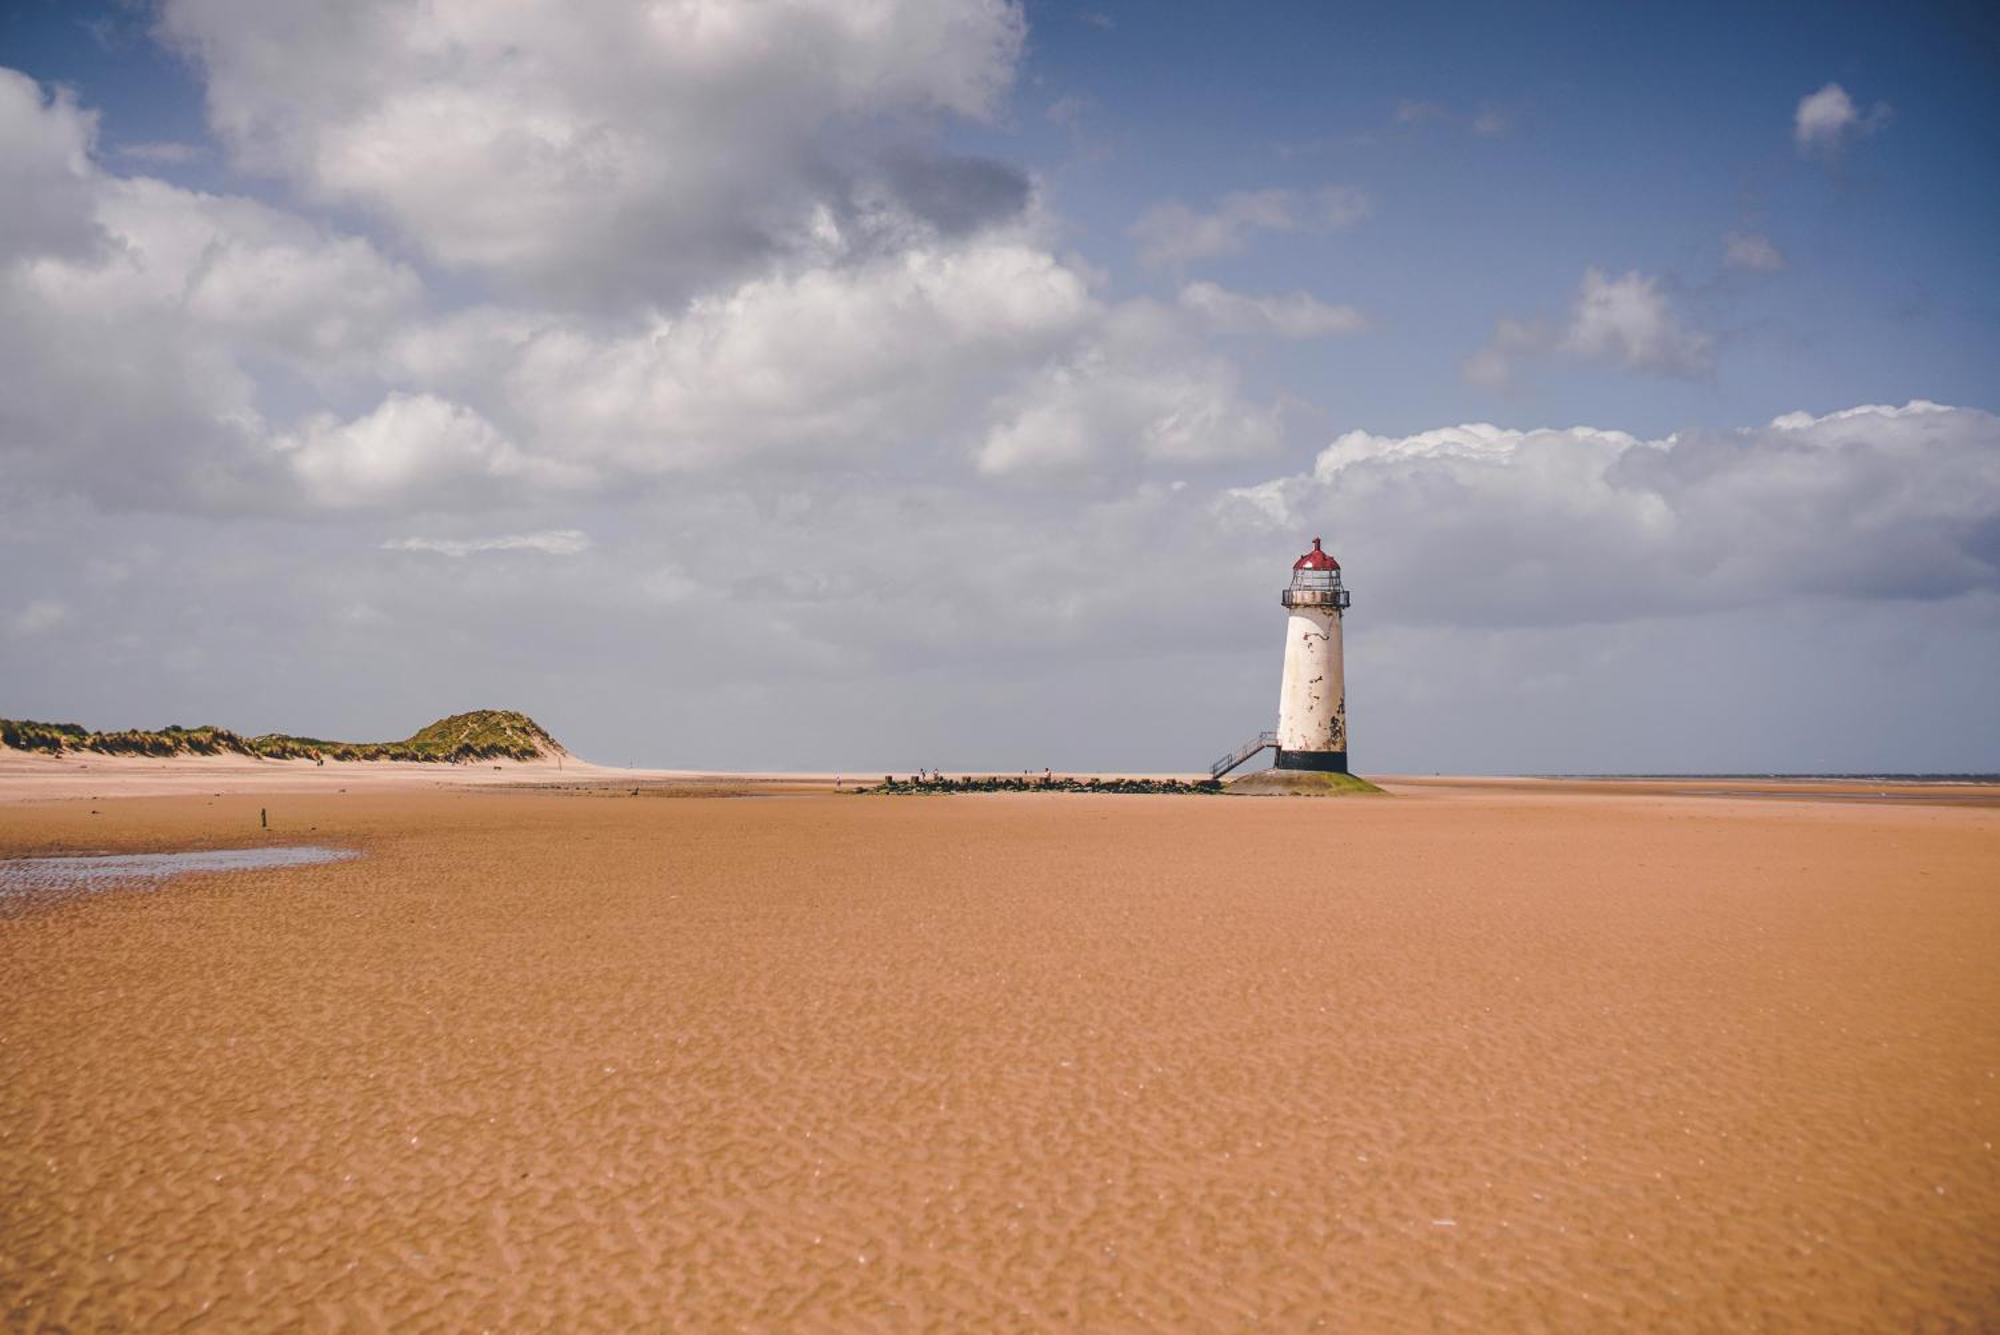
(1312, 701)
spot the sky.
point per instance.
(881, 384)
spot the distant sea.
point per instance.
(1799, 778)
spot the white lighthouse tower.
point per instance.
(1312, 702)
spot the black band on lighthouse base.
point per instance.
(1334, 762)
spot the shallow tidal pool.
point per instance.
(91, 871)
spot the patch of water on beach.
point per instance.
(21, 876)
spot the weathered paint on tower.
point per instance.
(1312, 702)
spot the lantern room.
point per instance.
(1315, 581)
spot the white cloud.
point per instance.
(1559, 581)
(165, 153)
(1487, 122)
(1480, 524)
(247, 273)
(45, 175)
(1097, 406)
(1825, 119)
(608, 150)
(548, 542)
(870, 358)
(222, 267)
(171, 356)
(1492, 366)
(40, 617)
(1292, 315)
(1067, 111)
(101, 367)
(137, 318)
(1627, 321)
(411, 447)
(1752, 250)
(1174, 234)
(870, 363)
(1135, 390)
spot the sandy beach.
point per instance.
(36, 778)
(1476, 1055)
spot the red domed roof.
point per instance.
(1315, 560)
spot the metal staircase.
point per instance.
(1243, 753)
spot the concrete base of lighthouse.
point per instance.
(1299, 783)
(1324, 762)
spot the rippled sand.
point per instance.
(1443, 1060)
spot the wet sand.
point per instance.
(35, 777)
(1459, 1058)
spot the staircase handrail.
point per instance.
(1242, 753)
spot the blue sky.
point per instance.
(1635, 138)
(387, 331)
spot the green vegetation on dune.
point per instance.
(483, 734)
(28, 735)
(487, 731)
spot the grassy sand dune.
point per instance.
(482, 734)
